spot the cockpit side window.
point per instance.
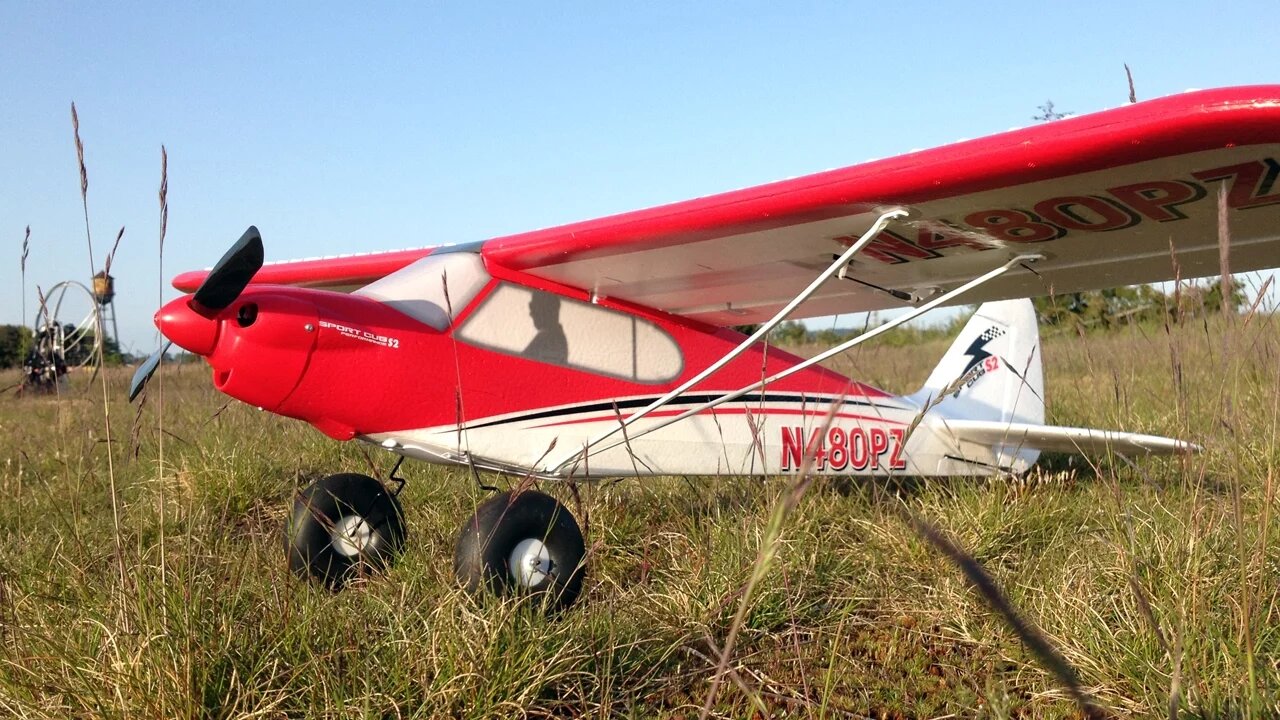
(428, 289)
(553, 329)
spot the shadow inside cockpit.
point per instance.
(549, 345)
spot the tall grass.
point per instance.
(99, 327)
(1152, 579)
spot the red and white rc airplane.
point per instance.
(604, 348)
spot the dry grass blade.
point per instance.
(764, 558)
(1175, 683)
(1144, 607)
(1228, 311)
(1174, 652)
(730, 673)
(22, 264)
(1133, 94)
(636, 461)
(26, 249)
(135, 434)
(1224, 251)
(164, 196)
(460, 412)
(1257, 301)
(44, 306)
(111, 256)
(84, 175)
(1039, 645)
(97, 312)
(164, 229)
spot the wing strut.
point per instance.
(848, 344)
(837, 266)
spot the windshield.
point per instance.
(432, 290)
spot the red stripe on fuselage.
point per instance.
(727, 411)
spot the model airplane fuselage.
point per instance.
(517, 368)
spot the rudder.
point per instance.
(993, 370)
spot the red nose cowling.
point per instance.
(187, 328)
(258, 346)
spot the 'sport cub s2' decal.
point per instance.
(365, 335)
(839, 448)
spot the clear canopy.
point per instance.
(434, 289)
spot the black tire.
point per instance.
(342, 526)
(499, 526)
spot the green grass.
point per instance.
(189, 611)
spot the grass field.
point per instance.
(157, 587)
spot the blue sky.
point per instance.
(365, 126)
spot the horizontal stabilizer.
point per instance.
(1051, 438)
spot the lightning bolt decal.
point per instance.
(977, 351)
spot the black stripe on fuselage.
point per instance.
(681, 401)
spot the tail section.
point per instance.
(983, 405)
(993, 370)
(992, 374)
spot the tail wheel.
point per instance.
(522, 543)
(342, 526)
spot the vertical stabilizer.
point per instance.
(992, 371)
(990, 375)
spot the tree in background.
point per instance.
(111, 354)
(1047, 113)
(1103, 309)
(15, 342)
(1197, 301)
(790, 332)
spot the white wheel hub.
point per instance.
(530, 562)
(351, 535)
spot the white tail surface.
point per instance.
(991, 373)
(1052, 438)
(983, 404)
(993, 370)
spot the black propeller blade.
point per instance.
(233, 272)
(220, 288)
(146, 370)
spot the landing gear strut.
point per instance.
(522, 543)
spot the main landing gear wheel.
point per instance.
(343, 526)
(522, 543)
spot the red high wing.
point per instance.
(1106, 197)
